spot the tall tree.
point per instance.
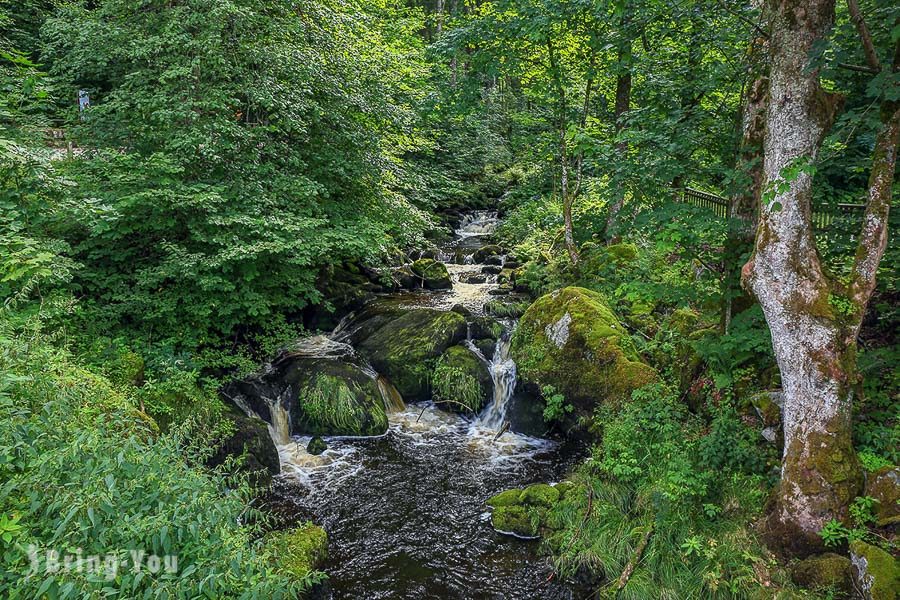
(814, 318)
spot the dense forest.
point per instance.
(449, 299)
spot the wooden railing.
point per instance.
(823, 215)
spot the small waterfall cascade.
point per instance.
(503, 372)
(280, 427)
(479, 222)
(393, 402)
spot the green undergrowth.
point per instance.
(119, 485)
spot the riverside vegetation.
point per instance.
(359, 224)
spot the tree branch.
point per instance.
(873, 238)
(859, 68)
(864, 35)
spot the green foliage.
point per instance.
(333, 403)
(872, 462)
(555, 405)
(119, 487)
(455, 385)
(748, 344)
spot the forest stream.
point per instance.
(405, 511)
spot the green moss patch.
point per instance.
(570, 339)
(298, 552)
(461, 382)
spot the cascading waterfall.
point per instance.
(393, 402)
(503, 373)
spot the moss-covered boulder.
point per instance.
(876, 573)
(316, 446)
(540, 494)
(332, 397)
(298, 552)
(486, 252)
(517, 520)
(405, 349)
(884, 486)
(248, 440)
(525, 512)
(570, 339)
(505, 498)
(461, 381)
(433, 273)
(824, 571)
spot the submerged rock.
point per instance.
(570, 339)
(461, 381)
(875, 572)
(406, 348)
(434, 274)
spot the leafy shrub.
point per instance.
(118, 487)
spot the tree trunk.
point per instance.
(567, 199)
(744, 203)
(623, 105)
(815, 349)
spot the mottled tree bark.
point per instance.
(814, 321)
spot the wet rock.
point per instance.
(884, 486)
(473, 278)
(461, 381)
(406, 279)
(405, 348)
(875, 572)
(512, 264)
(486, 347)
(461, 310)
(249, 439)
(506, 276)
(486, 252)
(485, 328)
(434, 274)
(491, 269)
(300, 551)
(316, 446)
(493, 260)
(332, 397)
(825, 571)
(570, 339)
(503, 290)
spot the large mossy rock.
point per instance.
(824, 571)
(524, 512)
(250, 441)
(876, 573)
(405, 349)
(298, 552)
(434, 274)
(331, 397)
(570, 339)
(461, 382)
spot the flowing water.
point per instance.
(405, 511)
